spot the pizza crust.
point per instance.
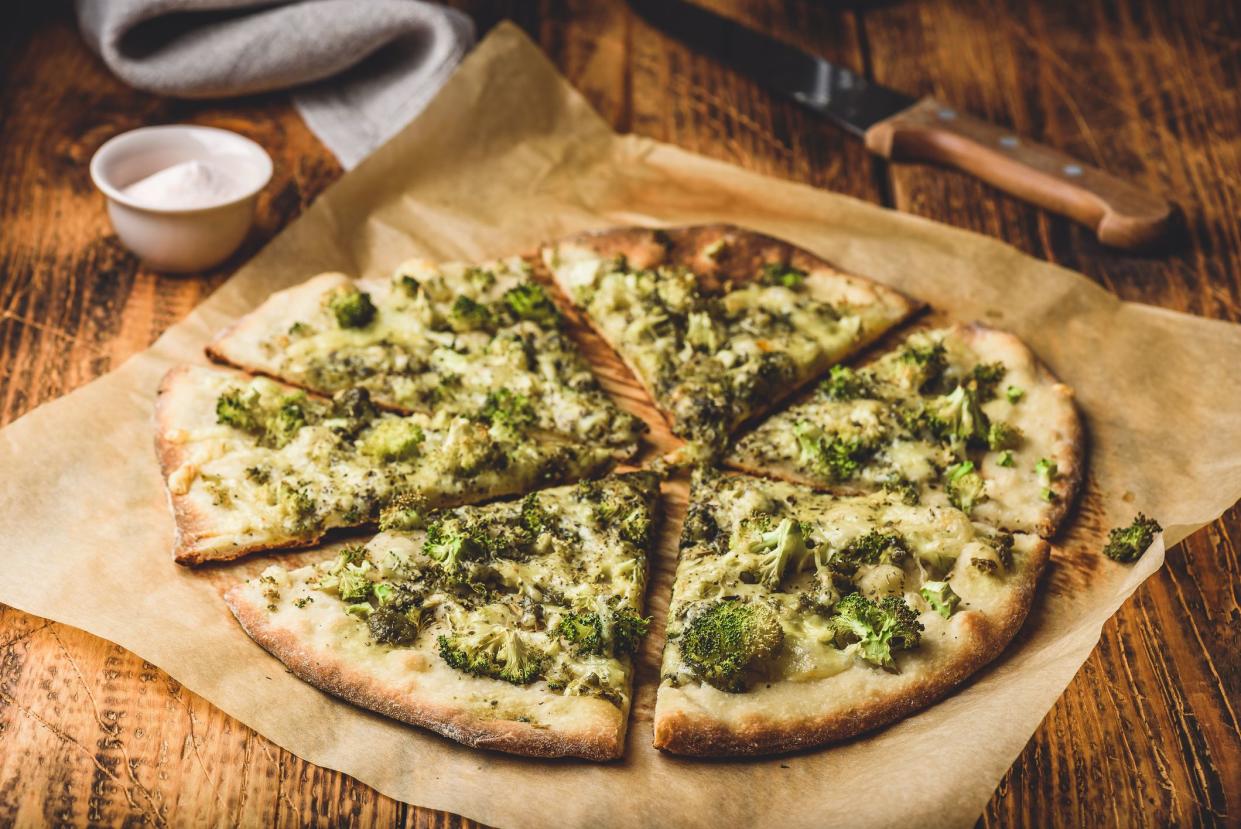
(786, 716)
(433, 695)
(745, 252)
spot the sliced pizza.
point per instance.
(433, 338)
(254, 464)
(965, 413)
(507, 626)
(716, 322)
(800, 618)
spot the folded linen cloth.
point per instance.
(362, 68)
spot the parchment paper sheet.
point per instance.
(509, 155)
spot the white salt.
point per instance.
(186, 186)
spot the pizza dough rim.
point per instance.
(681, 732)
(1069, 459)
(638, 244)
(334, 675)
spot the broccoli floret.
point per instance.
(508, 408)
(906, 489)
(778, 273)
(468, 315)
(1005, 458)
(877, 629)
(779, 548)
(1047, 472)
(958, 416)
(406, 511)
(1002, 544)
(392, 439)
(965, 486)
(354, 403)
(286, 421)
(1014, 394)
(533, 517)
(450, 546)
(1128, 543)
(297, 507)
(835, 456)
(240, 410)
(726, 642)
(606, 632)
(921, 367)
(940, 596)
(529, 301)
(1001, 435)
(986, 376)
(352, 308)
(495, 652)
(875, 547)
(847, 384)
(627, 513)
(389, 626)
(701, 332)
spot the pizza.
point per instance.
(432, 338)
(800, 617)
(253, 464)
(965, 413)
(718, 323)
(508, 626)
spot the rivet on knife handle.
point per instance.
(1121, 215)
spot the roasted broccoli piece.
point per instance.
(833, 455)
(352, 308)
(727, 642)
(874, 547)
(529, 301)
(940, 596)
(508, 408)
(877, 629)
(778, 548)
(1001, 435)
(354, 404)
(1014, 394)
(986, 377)
(1128, 543)
(450, 545)
(847, 384)
(390, 626)
(627, 512)
(778, 273)
(1005, 458)
(965, 487)
(1002, 545)
(392, 439)
(958, 416)
(920, 367)
(906, 489)
(608, 631)
(467, 314)
(239, 409)
(496, 652)
(406, 511)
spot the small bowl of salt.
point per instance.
(181, 197)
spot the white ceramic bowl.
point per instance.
(180, 240)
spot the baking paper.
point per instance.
(507, 156)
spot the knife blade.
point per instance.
(901, 127)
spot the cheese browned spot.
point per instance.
(254, 464)
(764, 649)
(433, 338)
(964, 414)
(719, 323)
(518, 639)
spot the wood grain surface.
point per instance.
(1147, 734)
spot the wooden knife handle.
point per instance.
(1121, 214)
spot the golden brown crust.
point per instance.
(738, 260)
(984, 638)
(336, 676)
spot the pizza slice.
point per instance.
(800, 618)
(254, 464)
(432, 338)
(964, 413)
(507, 626)
(716, 322)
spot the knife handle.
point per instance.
(1120, 214)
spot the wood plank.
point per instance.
(1147, 733)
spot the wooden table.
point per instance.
(1146, 734)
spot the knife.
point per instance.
(902, 128)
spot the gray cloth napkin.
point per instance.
(362, 68)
